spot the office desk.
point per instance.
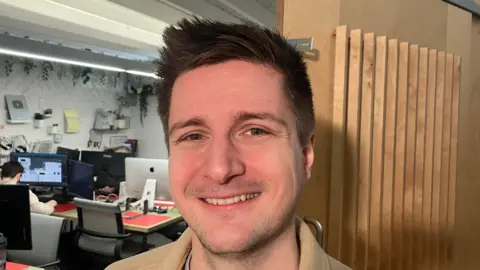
(16, 266)
(146, 224)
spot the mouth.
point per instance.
(231, 200)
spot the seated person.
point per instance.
(11, 173)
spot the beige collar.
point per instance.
(312, 255)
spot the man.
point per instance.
(236, 106)
(11, 173)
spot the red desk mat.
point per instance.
(16, 266)
(143, 220)
(65, 207)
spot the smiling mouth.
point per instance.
(231, 200)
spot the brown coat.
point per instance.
(173, 256)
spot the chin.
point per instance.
(225, 241)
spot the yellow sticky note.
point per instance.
(72, 121)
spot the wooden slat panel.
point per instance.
(365, 151)
(377, 154)
(389, 156)
(445, 156)
(409, 188)
(429, 146)
(400, 147)
(453, 152)
(437, 160)
(338, 143)
(418, 234)
(351, 150)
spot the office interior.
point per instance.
(370, 220)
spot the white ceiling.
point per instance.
(125, 28)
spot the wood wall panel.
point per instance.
(389, 155)
(351, 153)
(398, 110)
(378, 138)
(409, 188)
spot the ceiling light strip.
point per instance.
(73, 62)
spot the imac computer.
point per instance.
(70, 153)
(80, 180)
(42, 169)
(138, 170)
(16, 221)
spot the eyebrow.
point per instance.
(245, 116)
(196, 121)
(240, 117)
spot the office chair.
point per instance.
(318, 227)
(46, 231)
(100, 230)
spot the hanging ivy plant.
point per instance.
(116, 79)
(86, 72)
(47, 67)
(28, 66)
(61, 72)
(103, 77)
(76, 74)
(9, 66)
(145, 91)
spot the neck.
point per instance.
(8, 180)
(284, 246)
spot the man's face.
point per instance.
(236, 166)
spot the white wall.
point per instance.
(58, 94)
(150, 136)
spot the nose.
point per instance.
(222, 162)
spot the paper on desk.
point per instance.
(72, 121)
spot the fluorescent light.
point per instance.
(142, 73)
(75, 63)
(59, 60)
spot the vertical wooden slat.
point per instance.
(453, 151)
(409, 187)
(445, 156)
(386, 246)
(351, 149)
(377, 154)
(400, 147)
(334, 236)
(437, 160)
(418, 234)
(365, 151)
(429, 146)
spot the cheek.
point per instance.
(275, 165)
(182, 169)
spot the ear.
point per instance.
(17, 177)
(308, 156)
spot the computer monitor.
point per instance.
(70, 153)
(109, 163)
(138, 170)
(16, 221)
(80, 180)
(42, 169)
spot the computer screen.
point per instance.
(108, 164)
(80, 180)
(70, 153)
(138, 170)
(42, 169)
(15, 211)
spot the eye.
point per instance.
(193, 137)
(256, 132)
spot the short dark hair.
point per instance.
(194, 43)
(11, 169)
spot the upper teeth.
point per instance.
(231, 200)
